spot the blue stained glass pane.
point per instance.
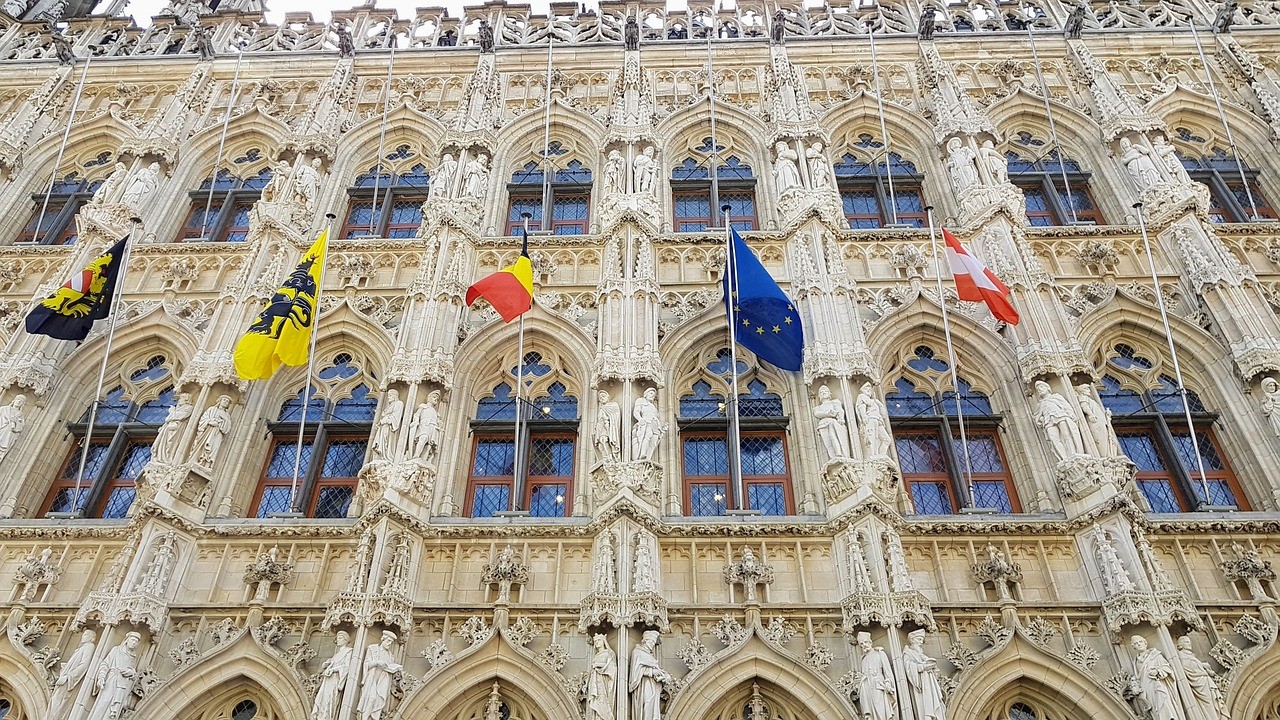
(722, 364)
(154, 370)
(860, 202)
(1041, 221)
(704, 455)
(908, 200)
(689, 170)
(418, 176)
(533, 365)
(992, 495)
(500, 406)
(758, 402)
(373, 178)
(343, 458)
(984, 456)
(136, 457)
(930, 498)
(275, 499)
(1159, 494)
(561, 405)
(259, 181)
(691, 205)
(551, 457)
(490, 499)
(521, 205)
(742, 206)
(973, 402)
(543, 501)
(342, 367)
(62, 501)
(1187, 452)
(920, 454)
(155, 411)
(359, 408)
(703, 500)
(494, 458)
(574, 173)
(907, 402)
(406, 212)
(1118, 401)
(118, 502)
(334, 501)
(284, 455)
(925, 361)
(530, 174)
(112, 410)
(568, 230)
(1219, 492)
(361, 217)
(574, 207)
(692, 227)
(1140, 447)
(769, 499)
(702, 403)
(763, 456)
(92, 467)
(734, 169)
(291, 410)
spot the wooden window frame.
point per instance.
(880, 187)
(548, 222)
(530, 430)
(719, 429)
(947, 429)
(1222, 188)
(97, 491)
(1184, 481)
(321, 433)
(532, 480)
(699, 187)
(59, 216)
(233, 197)
(1046, 182)
(387, 197)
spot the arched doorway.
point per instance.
(758, 699)
(239, 699)
(490, 699)
(1027, 699)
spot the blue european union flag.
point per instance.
(765, 320)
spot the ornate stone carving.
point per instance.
(269, 569)
(504, 571)
(36, 572)
(998, 570)
(877, 689)
(749, 573)
(1248, 565)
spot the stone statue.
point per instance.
(922, 677)
(631, 34)
(647, 679)
(388, 425)
(346, 46)
(833, 429)
(1225, 17)
(614, 166)
(476, 184)
(602, 679)
(442, 176)
(645, 577)
(997, 164)
(12, 423)
(644, 169)
(333, 677)
(1137, 160)
(896, 561)
(141, 187)
(1205, 690)
(1168, 156)
(493, 708)
(877, 693)
(1270, 404)
(204, 44)
(785, 173)
(1058, 420)
(306, 184)
(1153, 681)
(606, 433)
(871, 422)
(379, 673)
(426, 429)
(648, 428)
(1097, 419)
(778, 28)
(73, 671)
(155, 579)
(214, 425)
(1115, 578)
(604, 573)
(1075, 21)
(113, 682)
(819, 168)
(960, 161)
(485, 35)
(62, 48)
(928, 23)
(110, 186)
(166, 448)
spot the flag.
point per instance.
(976, 283)
(510, 290)
(282, 333)
(765, 320)
(69, 313)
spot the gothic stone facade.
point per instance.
(1091, 548)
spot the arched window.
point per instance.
(693, 207)
(863, 175)
(54, 222)
(397, 187)
(128, 417)
(1214, 166)
(1150, 422)
(220, 208)
(704, 442)
(1038, 170)
(936, 466)
(568, 196)
(548, 439)
(335, 435)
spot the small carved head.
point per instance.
(604, 396)
(20, 400)
(132, 640)
(342, 639)
(1042, 388)
(88, 636)
(1269, 386)
(916, 638)
(224, 401)
(1184, 642)
(388, 638)
(433, 398)
(864, 641)
(651, 394)
(824, 393)
(1139, 643)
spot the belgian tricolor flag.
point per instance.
(510, 290)
(70, 311)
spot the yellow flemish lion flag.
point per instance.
(282, 333)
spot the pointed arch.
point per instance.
(979, 350)
(20, 683)
(681, 125)
(404, 125)
(1250, 131)
(524, 134)
(1255, 695)
(1079, 134)
(491, 351)
(910, 134)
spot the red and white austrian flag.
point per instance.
(976, 283)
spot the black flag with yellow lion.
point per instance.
(69, 313)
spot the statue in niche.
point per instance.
(778, 28)
(631, 33)
(877, 692)
(110, 186)
(648, 428)
(12, 423)
(645, 577)
(281, 174)
(62, 46)
(1097, 419)
(833, 428)
(1153, 681)
(346, 45)
(333, 677)
(604, 578)
(644, 170)
(485, 36)
(1074, 24)
(113, 682)
(72, 672)
(1168, 155)
(1205, 690)
(1225, 17)
(602, 681)
(960, 162)
(477, 177)
(606, 433)
(859, 573)
(388, 425)
(379, 673)
(614, 166)
(1137, 160)
(785, 172)
(166, 448)
(442, 176)
(997, 164)
(141, 186)
(1270, 403)
(1115, 578)
(1058, 420)
(871, 421)
(204, 44)
(426, 429)
(922, 677)
(647, 679)
(213, 427)
(928, 23)
(156, 577)
(819, 168)
(306, 184)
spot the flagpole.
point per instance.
(76, 508)
(1222, 115)
(517, 476)
(951, 355)
(311, 363)
(1173, 355)
(222, 143)
(714, 200)
(36, 237)
(884, 128)
(735, 430)
(1053, 128)
(382, 145)
(547, 209)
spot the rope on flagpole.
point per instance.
(76, 506)
(735, 430)
(382, 145)
(222, 143)
(884, 128)
(1173, 355)
(967, 479)
(36, 237)
(1222, 115)
(1053, 128)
